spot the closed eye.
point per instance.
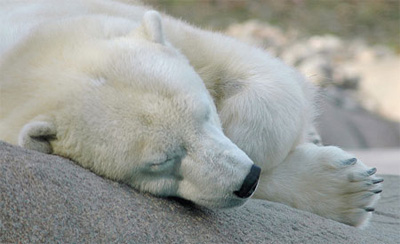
(160, 163)
(160, 166)
(167, 161)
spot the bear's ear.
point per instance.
(36, 136)
(153, 27)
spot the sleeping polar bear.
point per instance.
(169, 109)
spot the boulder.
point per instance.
(46, 198)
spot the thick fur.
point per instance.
(140, 98)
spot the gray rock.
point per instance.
(344, 123)
(46, 198)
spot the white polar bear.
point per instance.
(101, 82)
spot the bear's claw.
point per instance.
(377, 191)
(376, 181)
(351, 161)
(371, 171)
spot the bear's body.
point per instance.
(127, 95)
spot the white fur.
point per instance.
(128, 105)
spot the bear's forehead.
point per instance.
(179, 109)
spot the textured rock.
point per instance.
(46, 198)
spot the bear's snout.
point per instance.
(250, 183)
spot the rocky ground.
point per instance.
(49, 199)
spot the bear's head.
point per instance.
(141, 115)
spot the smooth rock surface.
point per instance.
(46, 198)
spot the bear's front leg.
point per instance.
(326, 181)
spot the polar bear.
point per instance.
(113, 95)
(170, 109)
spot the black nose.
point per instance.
(250, 183)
